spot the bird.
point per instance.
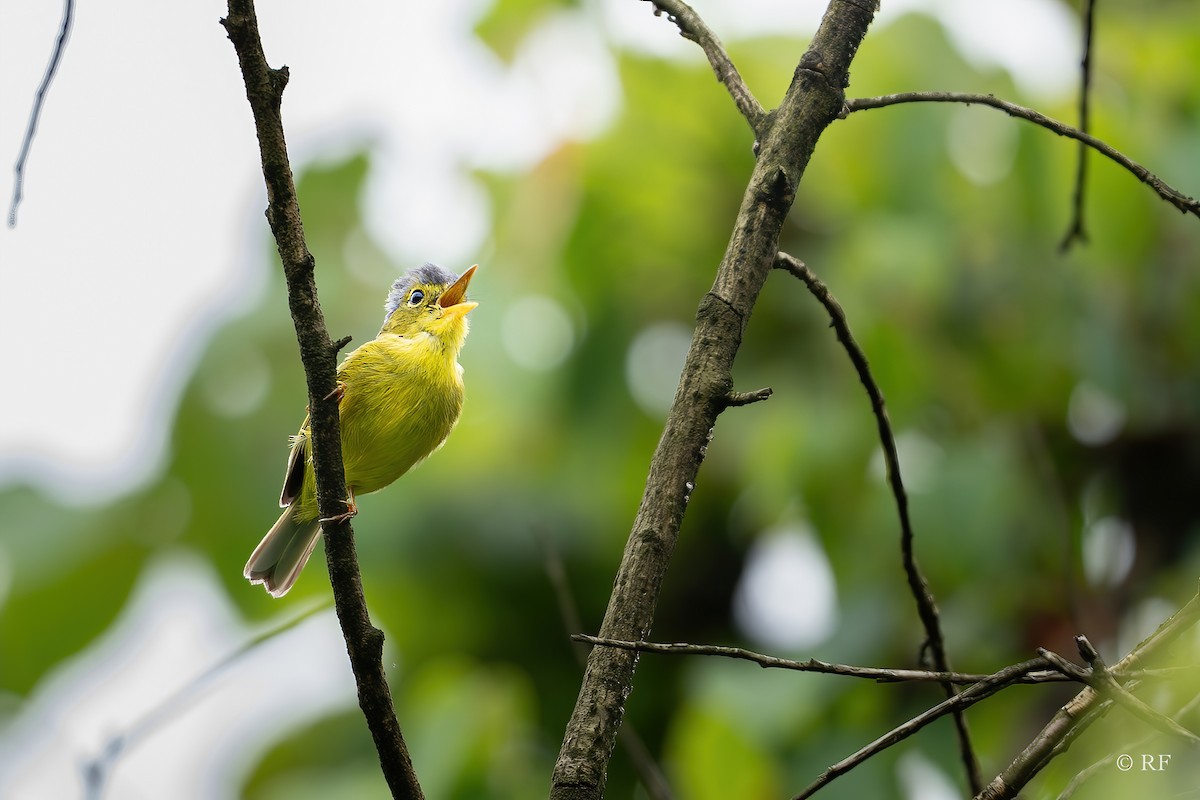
(399, 396)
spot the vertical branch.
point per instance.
(814, 100)
(364, 642)
(918, 586)
(1077, 232)
(35, 113)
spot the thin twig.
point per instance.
(877, 674)
(693, 28)
(968, 697)
(364, 642)
(926, 605)
(35, 113)
(1076, 231)
(1185, 204)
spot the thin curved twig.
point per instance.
(918, 586)
(692, 27)
(35, 113)
(1186, 204)
(364, 642)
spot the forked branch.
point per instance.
(811, 104)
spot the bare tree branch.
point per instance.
(918, 586)
(813, 101)
(1187, 205)
(1076, 231)
(693, 28)
(35, 113)
(1079, 712)
(877, 674)
(364, 642)
(968, 697)
(1049, 667)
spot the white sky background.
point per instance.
(142, 230)
(142, 224)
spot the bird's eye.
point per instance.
(416, 297)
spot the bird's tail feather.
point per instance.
(283, 552)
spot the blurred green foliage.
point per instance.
(978, 331)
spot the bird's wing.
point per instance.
(293, 478)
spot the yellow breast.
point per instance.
(402, 398)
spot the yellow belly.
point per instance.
(402, 398)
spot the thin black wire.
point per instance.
(64, 33)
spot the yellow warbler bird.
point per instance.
(399, 397)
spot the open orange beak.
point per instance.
(458, 290)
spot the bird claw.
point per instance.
(350, 513)
(339, 392)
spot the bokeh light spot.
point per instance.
(787, 597)
(982, 145)
(237, 385)
(537, 333)
(1094, 417)
(1108, 551)
(653, 364)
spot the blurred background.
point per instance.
(1047, 405)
